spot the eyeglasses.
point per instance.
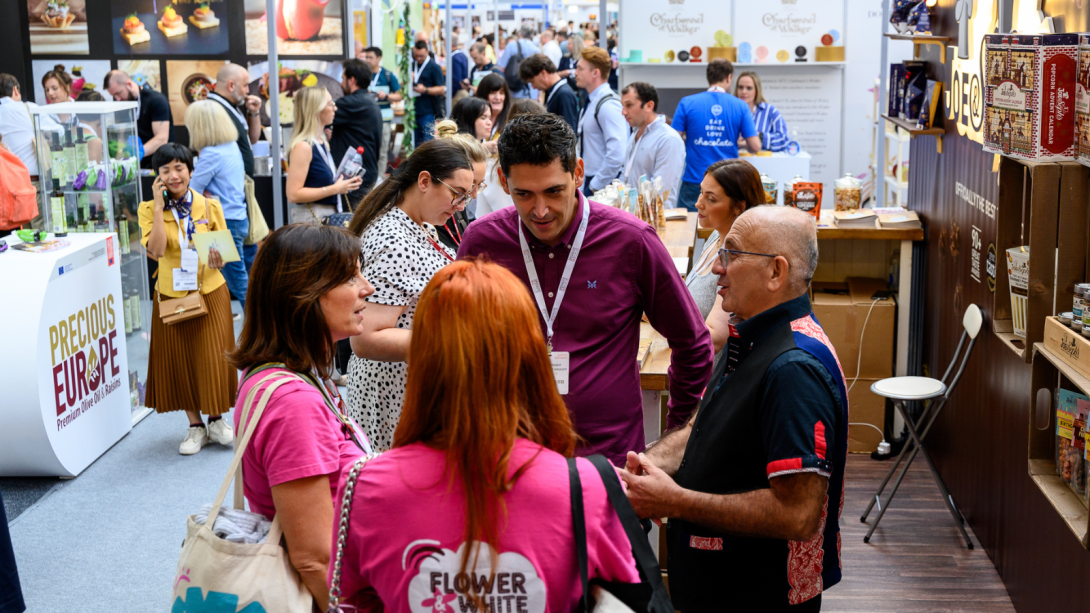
(726, 256)
(460, 198)
(478, 188)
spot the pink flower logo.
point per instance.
(439, 602)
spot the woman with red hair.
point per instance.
(476, 484)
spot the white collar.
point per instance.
(599, 92)
(7, 100)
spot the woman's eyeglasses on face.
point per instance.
(726, 256)
(460, 197)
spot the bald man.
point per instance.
(753, 484)
(154, 123)
(233, 92)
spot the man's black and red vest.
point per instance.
(776, 405)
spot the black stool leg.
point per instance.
(959, 520)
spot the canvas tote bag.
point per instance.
(218, 575)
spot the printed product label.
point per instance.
(1008, 95)
(1057, 117)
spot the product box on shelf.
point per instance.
(1068, 344)
(1029, 95)
(1082, 102)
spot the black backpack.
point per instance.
(511, 73)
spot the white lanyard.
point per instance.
(416, 73)
(716, 88)
(328, 157)
(535, 283)
(632, 154)
(230, 108)
(556, 86)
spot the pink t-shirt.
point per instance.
(297, 437)
(404, 548)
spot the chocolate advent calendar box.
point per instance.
(1029, 98)
(1082, 101)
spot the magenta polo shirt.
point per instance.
(622, 272)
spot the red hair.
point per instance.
(479, 376)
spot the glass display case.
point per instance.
(88, 160)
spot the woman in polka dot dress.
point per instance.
(396, 224)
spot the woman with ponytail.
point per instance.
(451, 232)
(396, 223)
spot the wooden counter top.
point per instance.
(874, 234)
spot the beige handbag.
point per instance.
(177, 310)
(215, 574)
(259, 228)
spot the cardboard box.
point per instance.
(1030, 97)
(865, 407)
(842, 308)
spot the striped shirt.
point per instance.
(771, 127)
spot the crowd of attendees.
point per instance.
(449, 240)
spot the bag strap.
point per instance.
(342, 533)
(579, 527)
(240, 447)
(641, 548)
(598, 107)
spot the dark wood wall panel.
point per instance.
(980, 443)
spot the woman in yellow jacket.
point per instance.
(187, 367)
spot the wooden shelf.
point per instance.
(917, 41)
(873, 234)
(893, 182)
(913, 131)
(1042, 464)
(1015, 343)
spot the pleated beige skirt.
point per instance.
(187, 362)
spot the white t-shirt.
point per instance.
(492, 197)
(17, 130)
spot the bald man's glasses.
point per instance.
(726, 256)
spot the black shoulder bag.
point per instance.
(650, 593)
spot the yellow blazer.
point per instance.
(172, 258)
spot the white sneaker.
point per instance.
(220, 432)
(195, 438)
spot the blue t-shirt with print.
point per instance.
(711, 122)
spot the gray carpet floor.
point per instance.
(115, 531)
(108, 541)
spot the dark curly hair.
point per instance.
(537, 139)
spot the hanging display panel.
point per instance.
(144, 72)
(667, 31)
(58, 26)
(188, 82)
(294, 75)
(85, 73)
(787, 32)
(303, 27)
(160, 27)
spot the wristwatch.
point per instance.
(250, 113)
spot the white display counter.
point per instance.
(783, 168)
(64, 367)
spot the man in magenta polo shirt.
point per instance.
(593, 271)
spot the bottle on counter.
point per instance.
(56, 208)
(137, 322)
(123, 231)
(82, 157)
(57, 159)
(70, 169)
(848, 193)
(789, 191)
(126, 310)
